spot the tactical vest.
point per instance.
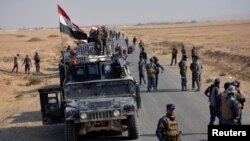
(226, 111)
(172, 133)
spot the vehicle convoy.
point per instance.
(98, 93)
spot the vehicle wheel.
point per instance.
(133, 129)
(70, 131)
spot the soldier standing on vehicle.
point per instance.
(37, 62)
(61, 67)
(194, 53)
(213, 93)
(159, 66)
(141, 66)
(15, 67)
(229, 107)
(27, 63)
(167, 128)
(196, 68)
(151, 70)
(134, 41)
(183, 73)
(174, 55)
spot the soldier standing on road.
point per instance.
(27, 63)
(159, 66)
(213, 93)
(183, 73)
(126, 41)
(141, 45)
(134, 41)
(229, 107)
(61, 68)
(144, 56)
(183, 51)
(151, 70)
(194, 53)
(196, 68)
(37, 62)
(174, 55)
(141, 66)
(240, 98)
(15, 64)
(167, 128)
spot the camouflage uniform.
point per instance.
(174, 55)
(167, 127)
(196, 68)
(213, 93)
(141, 66)
(151, 70)
(27, 64)
(15, 63)
(183, 73)
(229, 107)
(37, 62)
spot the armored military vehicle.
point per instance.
(98, 93)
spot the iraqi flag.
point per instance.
(67, 27)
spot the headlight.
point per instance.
(116, 113)
(83, 116)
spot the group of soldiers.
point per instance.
(196, 67)
(227, 106)
(27, 63)
(152, 67)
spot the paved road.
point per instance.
(191, 111)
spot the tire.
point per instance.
(70, 131)
(133, 129)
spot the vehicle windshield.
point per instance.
(99, 89)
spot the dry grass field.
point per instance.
(224, 48)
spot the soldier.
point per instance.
(15, 63)
(144, 56)
(159, 66)
(126, 41)
(61, 68)
(151, 70)
(229, 107)
(240, 98)
(28, 64)
(37, 62)
(167, 128)
(196, 68)
(183, 73)
(141, 66)
(141, 45)
(183, 51)
(134, 41)
(174, 55)
(194, 53)
(213, 93)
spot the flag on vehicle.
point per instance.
(68, 27)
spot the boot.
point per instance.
(185, 88)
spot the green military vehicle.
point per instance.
(99, 93)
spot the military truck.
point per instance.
(98, 93)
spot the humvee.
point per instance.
(98, 93)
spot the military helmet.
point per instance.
(170, 106)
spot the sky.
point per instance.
(43, 13)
